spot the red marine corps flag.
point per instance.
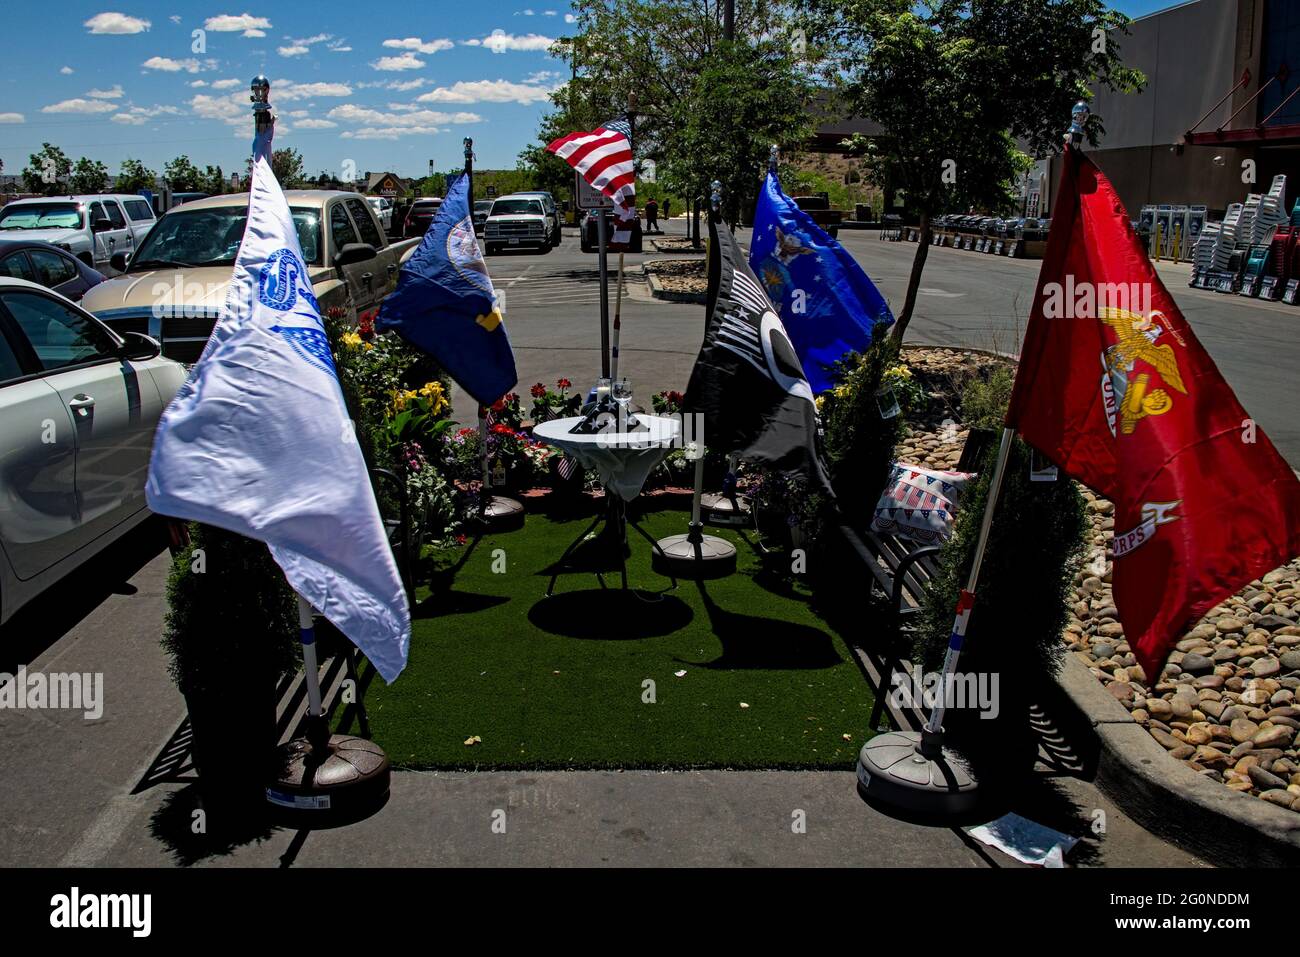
(1114, 387)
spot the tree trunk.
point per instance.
(914, 280)
(695, 223)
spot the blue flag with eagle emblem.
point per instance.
(444, 303)
(258, 440)
(828, 305)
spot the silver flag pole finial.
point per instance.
(1078, 120)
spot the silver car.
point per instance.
(78, 409)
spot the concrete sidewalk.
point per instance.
(73, 792)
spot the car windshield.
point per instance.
(483, 206)
(211, 237)
(41, 216)
(514, 207)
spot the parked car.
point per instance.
(92, 227)
(78, 408)
(180, 199)
(419, 216)
(590, 238)
(174, 286)
(552, 211)
(481, 209)
(47, 265)
(518, 221)
(383, 207)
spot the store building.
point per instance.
(1219, 116)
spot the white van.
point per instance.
(91, 227)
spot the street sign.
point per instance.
(490, 191)
(588, 196)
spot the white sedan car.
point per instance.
(78, 409)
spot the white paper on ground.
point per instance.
(1026, 841)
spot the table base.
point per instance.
(615, 521)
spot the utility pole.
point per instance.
(729, 19)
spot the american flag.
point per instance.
(566, 467)
(603, 157)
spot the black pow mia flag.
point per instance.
(748, 382)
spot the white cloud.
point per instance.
(401, 86)
(245, 23)
(12, 118)
(525, 13)
(316, 124)
(318, 38)
(198, 83)
(139, 115)
(78, 105)
(340, 49)
(67, 70)
(292, 50)
(548, 13)
(487, 91)
(168, 65)
(175, 18)
(417, 45)
(339, 46)
(570, 18)
(227, 109)
(380, 125)
(289, 90)
(498, 41)
(407, 61)
(116, 23)
(112, 94)
(225, 84)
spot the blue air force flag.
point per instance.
(258, 440)
(827, 303)
(444, 304)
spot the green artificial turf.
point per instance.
(560, 682)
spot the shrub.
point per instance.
(859, 438)
(1035, 544)
(231, 616)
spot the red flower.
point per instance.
(499, 405)
(500, 428)
(460, 539)
(538, 391)
(512, 398)
(366, 324)
(564, 384)
(464, 432)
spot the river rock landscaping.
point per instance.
(1225, 703)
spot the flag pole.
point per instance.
(695, 555)
(310, 779)
(618, 294)
(933, 779)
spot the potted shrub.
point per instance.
(231, 634)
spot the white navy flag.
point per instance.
(258, 440)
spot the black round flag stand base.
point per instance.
(502, 514)
(725, 511)
(341, 781)
(913, 772)
(694, 556)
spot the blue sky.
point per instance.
(384, 87)
(119, 78)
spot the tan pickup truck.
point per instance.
(173, 287)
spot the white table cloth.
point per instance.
(623, 460)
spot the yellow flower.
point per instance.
(819, 402)
(351, 340)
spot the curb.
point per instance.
(676, 250)
(659, 292)
(1169, 799)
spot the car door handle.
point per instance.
(81, 403)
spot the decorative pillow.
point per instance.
(919, 503)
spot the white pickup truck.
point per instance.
(93, 227)
(173, 287)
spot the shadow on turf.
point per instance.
(752, 641)
(610, 615)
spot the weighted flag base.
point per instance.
(502, 514)
(912, 771)
(694, 556)
(340, 782)
(725, 511)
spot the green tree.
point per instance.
(182, 175)
(214, 181)
(88, 176)
(46, 169)
(288, 168)
(133, 176)
(956, 85)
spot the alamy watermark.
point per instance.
(55, 691)
(973, 690)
